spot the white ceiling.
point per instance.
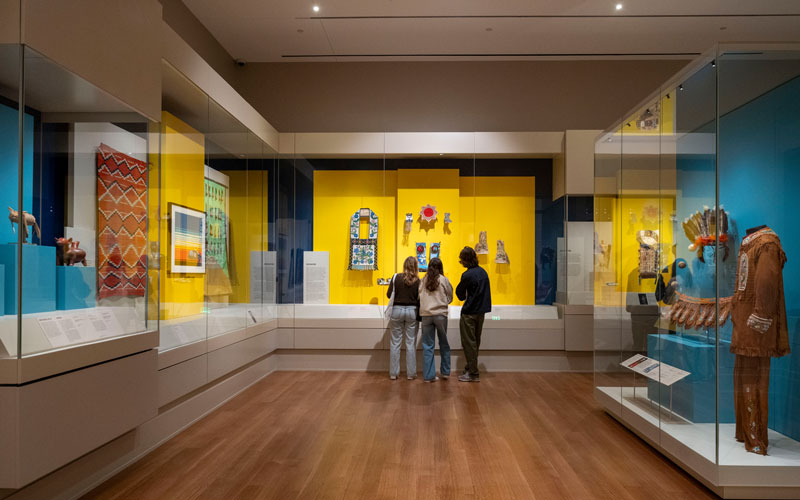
(348, 30)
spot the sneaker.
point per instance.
(466, 377)
(412, 378)
(432, 380)
(392, 377)
(444, 375)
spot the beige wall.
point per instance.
(9, 21)
(188, 27)
(115, 44)
(449, 96)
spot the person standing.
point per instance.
(435, 293)
(403, 322)
(474, 290)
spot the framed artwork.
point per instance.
(187, 240)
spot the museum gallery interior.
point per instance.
(264, 249)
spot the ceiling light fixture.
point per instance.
(300, 30)
(619, 6)
(489, 29)
(315, 8)
(680, 87)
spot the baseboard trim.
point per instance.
(376, 360)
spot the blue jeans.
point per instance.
(437, 324)
(403, 325)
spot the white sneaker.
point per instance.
(392, 377)
(429, 381)
(412, 378)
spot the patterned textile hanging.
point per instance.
(363, 251)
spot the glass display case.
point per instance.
(695, 327)
(218, 259)
(76, 167)
(357, 219)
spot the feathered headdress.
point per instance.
(701, 229)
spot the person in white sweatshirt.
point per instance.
(435, 293)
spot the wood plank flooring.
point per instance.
(346, 435)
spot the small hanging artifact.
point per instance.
(363, 251)
(421, 258)
(428, 213)
(648, 253)
(502, 256)
(482, 248)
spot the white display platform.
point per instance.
(58, 329)
(694, 443)
(374, 311)
(220, 319)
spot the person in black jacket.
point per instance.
(474, 290)
(404, 323)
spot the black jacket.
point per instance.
(474, 290)
(404, 295)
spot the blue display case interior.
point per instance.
(76, 287)
(759, 177)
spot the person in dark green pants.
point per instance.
(476, 293)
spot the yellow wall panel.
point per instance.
(505, 207)
(630, 214)
(182, 166)
(440, 188)
(337, 195)
(248, 226)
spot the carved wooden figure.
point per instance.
(27, 220)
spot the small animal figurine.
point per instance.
(502, 256)
(27, 220)
(70, 253)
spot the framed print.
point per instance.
(187, 240)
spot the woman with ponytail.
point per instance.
(435, 293)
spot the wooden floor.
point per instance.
(345, 435)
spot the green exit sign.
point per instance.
(495, 318)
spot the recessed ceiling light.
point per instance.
(619, 6)
(315, 8)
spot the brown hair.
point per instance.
(468, 257)
(410, 271)
(435, 269)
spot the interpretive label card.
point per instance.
(654, 369)
(316, 277)
(66, 328)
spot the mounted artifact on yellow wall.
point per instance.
(363, 251)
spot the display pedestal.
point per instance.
(693, 397)
(38, 277)
(76, 287)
